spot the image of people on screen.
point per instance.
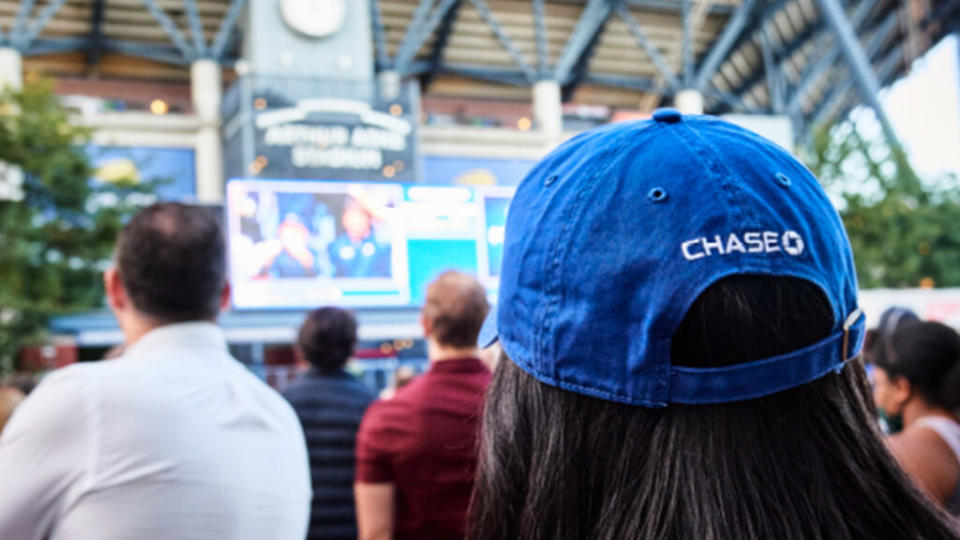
(357, 252)
(307, 235)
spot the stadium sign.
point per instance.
(333, 139)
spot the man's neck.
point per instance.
(134, 330)
(136, 326)
(439, 353)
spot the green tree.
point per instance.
(56, 228)
(905, 231)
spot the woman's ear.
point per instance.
(900, 391)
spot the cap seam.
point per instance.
(563, 243)
(693, 146)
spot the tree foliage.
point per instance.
(56, 227)
(905, 231)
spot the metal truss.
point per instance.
(518, 58)
(721, 47)
(822, 61)
(827, 52)
(859, 61)
(199, 48)
(540, 29)
(750, 23)
(579, 44)
(779, 49)
(440, 44)
(773, 73)
(169, 28)
(424, 22)
(641, 37)
(686, 44)
(24, 33)
(841, 97)
(383, 61)
(851, 48)
(838, 102)
(95, 49)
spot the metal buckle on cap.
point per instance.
(847, 324)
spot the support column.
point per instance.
(11, 68)
(206, 90)
(689, 101)
(548, 107)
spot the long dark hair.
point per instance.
(803, 463)
(928, 355)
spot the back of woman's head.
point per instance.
(927, 354)
(802, 463)
(877, 337)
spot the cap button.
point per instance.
(670, 116)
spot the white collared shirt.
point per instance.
(174, 440)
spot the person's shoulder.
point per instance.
(483, 375)
(299, 388)
(917, 443)
(400, 407)
(316, 388)
(389, 410)
(56, 406)
(258, 387)
(72, 380)
(412, 393)
(100, 373)
(356, 387)
(927, 457)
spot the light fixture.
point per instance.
(159, 106)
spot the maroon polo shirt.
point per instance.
(424, 441)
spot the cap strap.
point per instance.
(851, 320)
(770, 375)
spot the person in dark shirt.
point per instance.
(330, 404)
(417, 452)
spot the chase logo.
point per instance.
(790, 242)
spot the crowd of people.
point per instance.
(680, 354)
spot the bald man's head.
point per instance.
(9, 399)
(455, 308)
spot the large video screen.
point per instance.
(302, 244)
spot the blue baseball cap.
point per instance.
(612, 237)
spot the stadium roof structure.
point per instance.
(810, 59)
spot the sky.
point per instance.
(924, 108)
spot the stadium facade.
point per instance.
(462, 93)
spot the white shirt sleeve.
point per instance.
(43, 453)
